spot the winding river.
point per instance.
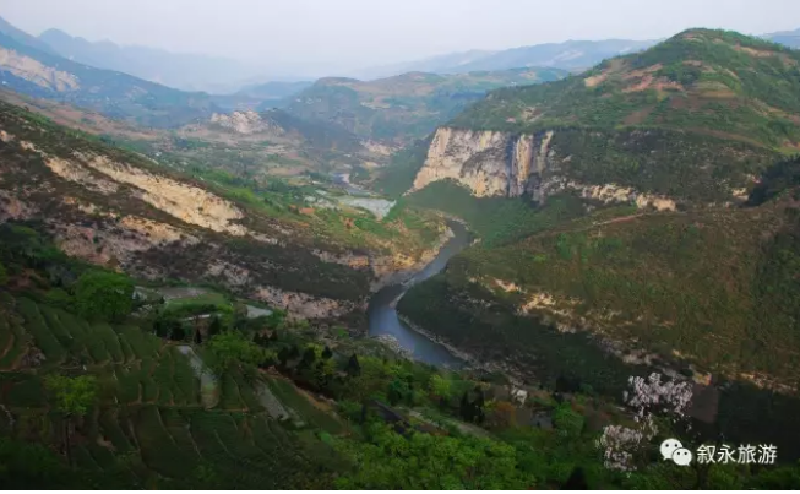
(383, 316)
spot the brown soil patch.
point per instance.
(643, 72)
(754, 52)
(641, 86)
(719, 94)
(594, 80)
(638, 117)
(790, 144)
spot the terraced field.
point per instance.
(149, 428)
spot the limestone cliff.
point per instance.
(490, 163)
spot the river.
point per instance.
(383, 316)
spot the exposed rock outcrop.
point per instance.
(492, 163)
(34, 71)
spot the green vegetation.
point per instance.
(708, 291)
(398, 176)
(133, 415)
(706, 81)
(103, 295)
(496, 219)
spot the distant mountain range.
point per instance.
(188, 72)
(191, 72)
(572, 55)
(788, 38)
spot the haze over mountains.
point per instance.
(192, 72)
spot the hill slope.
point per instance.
(116, 208)
(695, 118)
(681, 252)
(401, 108)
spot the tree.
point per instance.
(161, 327)
(177, 333)
(215, 326)
(353, 368)
(232, 349)
(567, 420)
(466, 410)
(576, 480)
(72, 397)
(3, 275)
(309, 356)
(327, 353)
(441, 387)
(397, 392)
(102, 295)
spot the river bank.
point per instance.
(382, 314)
(403, 276)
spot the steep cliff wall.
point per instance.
(489, 163)
(539, 165)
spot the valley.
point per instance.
(422, 281)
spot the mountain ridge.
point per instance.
(406, 106)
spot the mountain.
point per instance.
(570, 55)
(24, 38)
(183, 71)
(26, 69)
(643, 213)
(788, 38)
(727, 100)
(398, 109)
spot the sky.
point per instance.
(350, 34)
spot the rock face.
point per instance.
(490, 163)
(34, 71)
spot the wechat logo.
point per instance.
(672, 449)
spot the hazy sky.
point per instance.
(344, 34)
